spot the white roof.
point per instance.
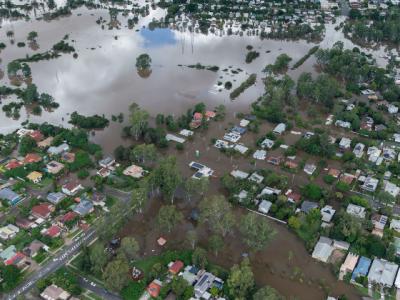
(382, 272)
(356, 210)
(239, 174)
(264, 206)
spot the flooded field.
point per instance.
(104, 71)
(103, 80)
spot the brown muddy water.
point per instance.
(103, 80)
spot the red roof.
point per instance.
(294, 196)
(42, 210)
(210, 114)
(13, 164)
(53, 231)
(36, 135)
(15, 259)
(69, 216)
(32, 158)
(176, 267)
(154, 289)
(197, 116)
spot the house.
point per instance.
(42, 210)
(274, 160)
(45, 143)
(370, 184)
(291, 164)
(256, 178)
(10, 196)
(242, 149)
(55, 198)
(190, 274)
(382, 272)
(373, 153)
(244, 123)
(239, 130)
(343, 124)
(204, 283)
(220, 144)
(267, 143)
(107, 162)
(8, 232)
(68, 217)
(323, 249)
(24, 223)
(308, 206)
(186, 132)
(348, 265)
(379, 221)
(134, 171)
(242, 196)
(396, 137)
(54, 167)
(269, 191)
(345, 143)
(389, 154)
(347, 178)
(154, 288)
(232, 137)
(53, 232)
(293, 196)
(32, 158)
(264, 206)
(35, 177)
(17, 260)
(334, 173)
(260, 154)
(327, 213)
(239, 174)
(356, 211)
(8, 253)
(71, 188)
(391, 188)
(83, 208)
(68, 157)
(175, 267)
(33, 248)
(36, 135)
(359, 150)
(395, 225)
(309, 169)
(53, 292)
(172, 137)
(58, 150)
(279, 129)
(13, 164)
(362, 268)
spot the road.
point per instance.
(96, 289)
(66, 254)
(53, 265)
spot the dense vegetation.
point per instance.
(243, 86)
(91, 122)
(370, 26)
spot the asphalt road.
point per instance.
(53, 265)
(96, 289)
(66, 254)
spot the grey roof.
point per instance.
(83, 208)
(55, 198)
(9, 195)
(382, 272)
(307, 206)
(55, 150)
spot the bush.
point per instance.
(328, 179)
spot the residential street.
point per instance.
(98, 290)
(53, 265)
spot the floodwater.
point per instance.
(103, 80)
(104, 72)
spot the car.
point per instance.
(55, 259)
(85, 279)
(92, 284)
